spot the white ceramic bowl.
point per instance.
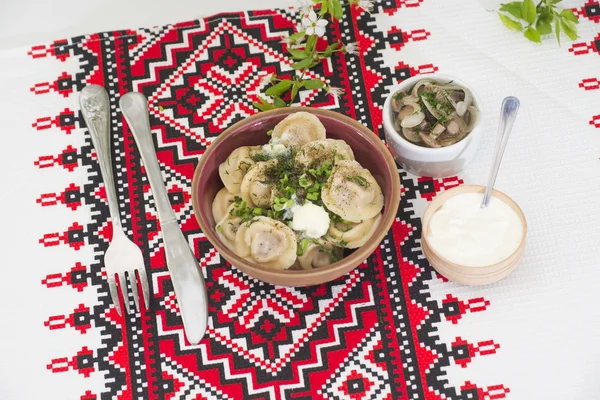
(425, 161)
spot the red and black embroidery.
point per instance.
(371, 334)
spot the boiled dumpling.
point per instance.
(254, 191)
(221, 203)
(315, 153)
(352, 192)
(315, 257)
(354, 235)
(299, 128)
(227, 227)
(267, 242)
(232, 171)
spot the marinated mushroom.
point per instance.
(411, 135)
(433, 114)
(429, 140)
(413, 119)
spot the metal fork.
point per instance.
(122, 257)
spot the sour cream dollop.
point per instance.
(311, 219)
(466, 234)
(274, 150)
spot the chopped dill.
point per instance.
(359, 180)
(259, 156)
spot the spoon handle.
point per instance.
(508, 114)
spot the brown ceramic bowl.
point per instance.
(369, 151)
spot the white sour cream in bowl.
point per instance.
(471, 245)
(466, 234)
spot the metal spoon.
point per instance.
(508, 114)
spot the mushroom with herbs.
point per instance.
(433, 114)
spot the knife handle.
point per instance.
(186, 274)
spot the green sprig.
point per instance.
(302, 49)
(536, 21)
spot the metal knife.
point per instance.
(186, 274)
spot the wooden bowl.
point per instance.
(369, 151)
(463, 274)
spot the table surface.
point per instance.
(544, 316)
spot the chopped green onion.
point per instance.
(312, 196)
(269, 133)
(303, 181)
(303, 245)
(257, 211)
(284, 180)
(278, 206)
(219, 228)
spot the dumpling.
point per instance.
(314, 256)
(317, 152)
(267, 242)
(221, 203)
(299, 128)
(234, 168)
(354, 235)
(352, 192)
(227, 227)
(254, 191)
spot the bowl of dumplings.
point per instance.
(296, 196)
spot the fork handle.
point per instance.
(94, 107)
(186, 275)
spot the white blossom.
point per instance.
(366, 5)
(352, 48)
(334, 91)
(305, 6)
(265, 80)
(313, 24)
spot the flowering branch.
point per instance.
(302, 47)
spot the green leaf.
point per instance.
(337, 9)
(296, 36)
(513, 8)
(552, 2)
(569, 16)
(510, 24)
(279, 88)
(532, 35)
(324, 8)
(569, 29)
(262, 106)
(543, 27)
(297, 54)
(546, 15)
(329, 50)
(302, 64)
(528, 11)
(310, 44)
(295, 89)
(278, 103)
(557, 30)
(313, 83)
